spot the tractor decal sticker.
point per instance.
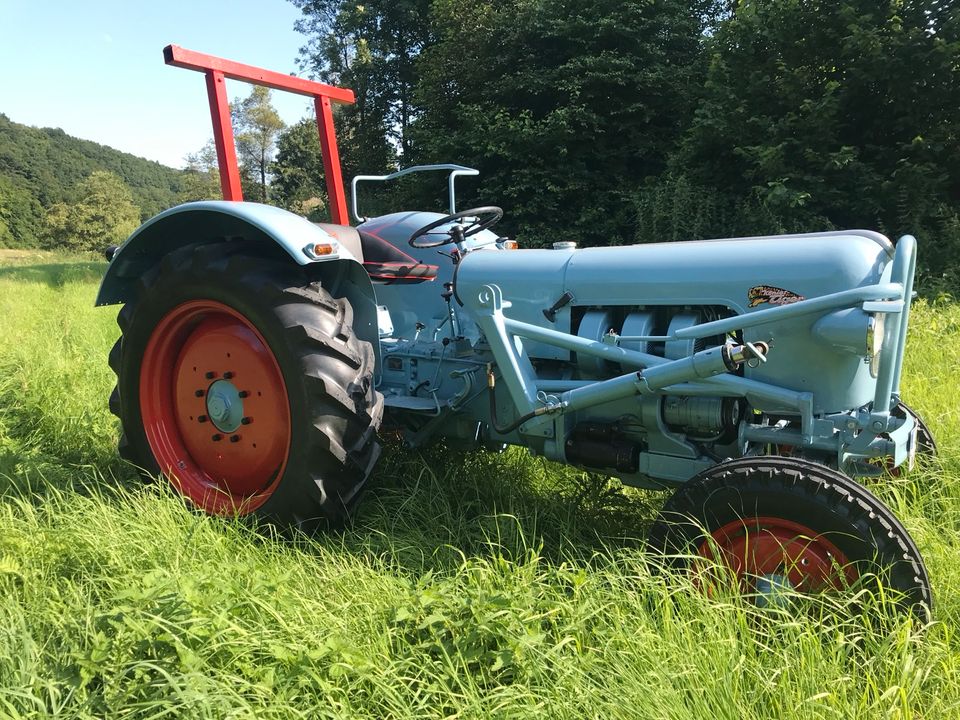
(760, 294)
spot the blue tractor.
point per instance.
(262, 355)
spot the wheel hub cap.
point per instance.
(224, 406)
(773, 590)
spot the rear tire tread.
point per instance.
(328, 358)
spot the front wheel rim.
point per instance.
(770, 555)
(215, 407)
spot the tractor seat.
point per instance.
(385, 263)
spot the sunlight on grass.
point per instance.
(473, 585)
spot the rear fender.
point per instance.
(215, 221)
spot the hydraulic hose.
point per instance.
(506, 429)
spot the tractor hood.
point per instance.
(743, 275)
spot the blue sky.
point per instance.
(95, 67)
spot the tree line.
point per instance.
(57, 191)
(613, 121)
(44, 171)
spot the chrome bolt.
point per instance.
(878, 426)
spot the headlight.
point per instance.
(875, 342)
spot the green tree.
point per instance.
(201, 177)
(566, 106)
(371, 48)
(20, 215)
(256, 126)
(836, 113)
(103, 215)
(40, 167)
(298, 178)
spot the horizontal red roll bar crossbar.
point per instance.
(217, 70)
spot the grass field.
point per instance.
(472, 585)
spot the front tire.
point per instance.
(781, 522)
(243, 383)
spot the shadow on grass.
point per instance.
(431, 509)
(55, 275)
(424, 511)
(29, 470)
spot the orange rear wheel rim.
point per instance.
(215, 408)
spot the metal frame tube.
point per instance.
(908, 243)
(847, 298)
(216, 69)
(582, 345)
(784, 436)
(895, 333)
(704, 364)
(525, 385)
(456, 171)
(717, 386)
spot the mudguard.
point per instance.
(215, 221)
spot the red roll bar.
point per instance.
(216, 69)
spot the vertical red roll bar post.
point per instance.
(217, 70)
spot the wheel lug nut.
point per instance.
(227, 375)
(199, 393)
(243, 394)
(217, 438)
(202, 418)
(246, 420)
(234, 438)
(211, 375)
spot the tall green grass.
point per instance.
(472, 585)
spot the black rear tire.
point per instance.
(758, 496)
(327, 373)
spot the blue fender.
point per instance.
(211, 221)
(216, 220)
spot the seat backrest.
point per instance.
(346, 236)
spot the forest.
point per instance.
(605, 122)
(612, 122)
(43, 172)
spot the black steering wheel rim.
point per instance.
(473, 228)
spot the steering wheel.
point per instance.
(484, 217)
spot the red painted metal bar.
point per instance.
(217, 69)
(181, 57)
(331, 161)
(223, 136)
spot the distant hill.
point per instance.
(40, 167)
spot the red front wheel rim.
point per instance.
(767, 554)
(215, 408)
